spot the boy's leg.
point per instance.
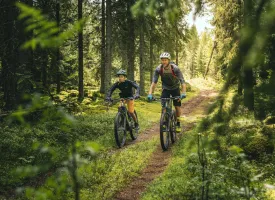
(131, 109)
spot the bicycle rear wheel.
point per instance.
(132, 130)
(173, 124)
(120, 129)
(164, 131)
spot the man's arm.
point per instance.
(155, 80)
(152, 88)
(183, 88)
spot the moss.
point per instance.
(204, 124)
(257, 146)
(221, 129)
(65, 93)
(238, 139)
(86, 93)
(270, 120)
(73, 93)
(268, 131)
(86, 101)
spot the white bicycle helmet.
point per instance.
(165, 55)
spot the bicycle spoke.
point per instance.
(120, 129)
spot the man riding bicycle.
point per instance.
(126, 91)
(172, 79)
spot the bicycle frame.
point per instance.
(123, 109)
(120, 130)
(168, 104)
(167, 123)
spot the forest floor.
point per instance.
(117, 177)
(192, 110)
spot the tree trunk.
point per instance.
(124, 59)
(25, 56)
(103, 50)
(23, 37)
(80, 55)
(58, 73)
(108, 65)
(151, 60)
(240, 83)
(192, 69)
(248, 81)
(207, 68)
(248, 89)
(44, 64)
(177, 49)
(240, 77)
(141, 59)
(131, 41)
(151, 50)
(9, 58)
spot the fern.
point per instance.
(46, 34)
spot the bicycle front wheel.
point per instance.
(120, 129)
(164, 131)
(173, 124)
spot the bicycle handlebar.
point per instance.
(170, 98)
(121, 99)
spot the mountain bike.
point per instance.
(124, 123)
(168, 122)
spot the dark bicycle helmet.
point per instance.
(121, 72)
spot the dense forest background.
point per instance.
(112, 38)
(59, 57)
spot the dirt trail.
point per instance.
(159, 159)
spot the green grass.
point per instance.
(178, 181)
(93, 123)
(111, 172)
(240, 154)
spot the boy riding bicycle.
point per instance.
(126, 91)
(171, 78)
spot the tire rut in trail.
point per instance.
(159, 159)
(155, 167)
(187, 108)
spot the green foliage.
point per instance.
(258, 146)
(230, 177)
(112, 171)
(225, 157)
(152, 7)
(38, 138)
(46, 33)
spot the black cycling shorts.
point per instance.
(174, 93)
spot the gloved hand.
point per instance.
(183, 95)
(108, 99)
(136, 96)
(150, 97)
